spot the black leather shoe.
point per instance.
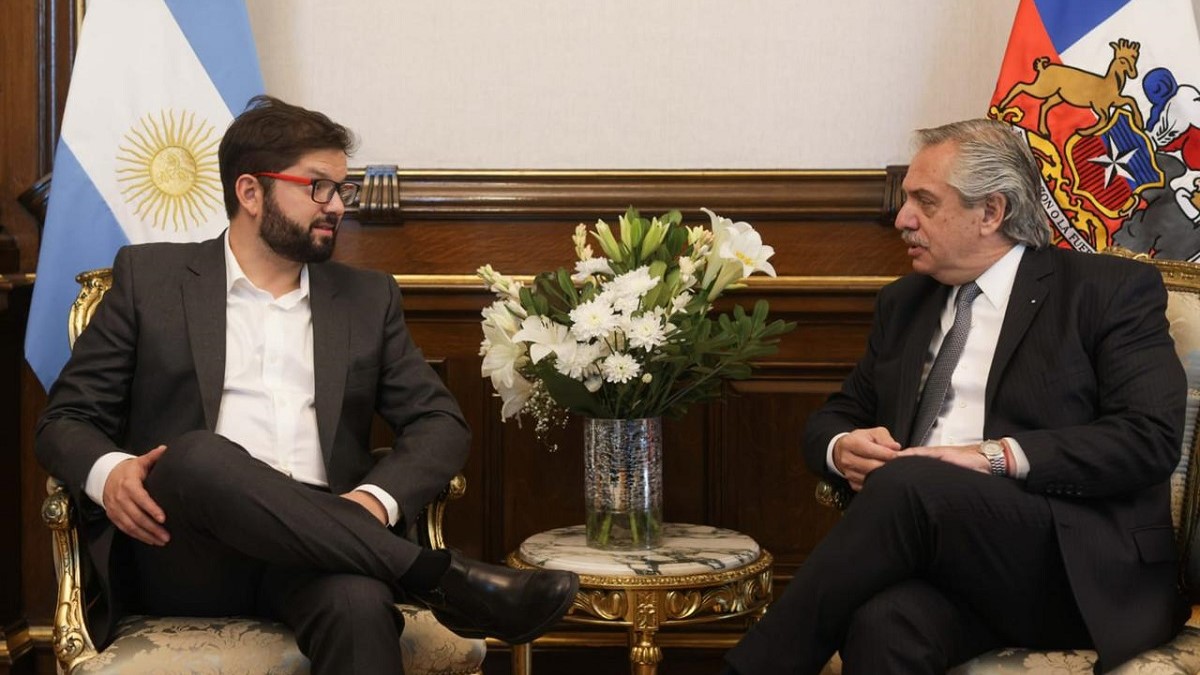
(477, 600)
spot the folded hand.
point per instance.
(128, 504)
(861, 451)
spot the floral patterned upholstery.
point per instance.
(235, 645)
(1179, 657)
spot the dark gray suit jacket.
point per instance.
(151, 366)
(1085, 377)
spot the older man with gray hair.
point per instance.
(1009, 436)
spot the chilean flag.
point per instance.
(1105, 93)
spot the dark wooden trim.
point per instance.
(391, 196)
(57, 36)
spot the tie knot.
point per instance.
(967, 294)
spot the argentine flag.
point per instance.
(155, 84)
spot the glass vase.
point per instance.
(623, 482)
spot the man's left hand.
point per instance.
(370, 503)
(966, 456)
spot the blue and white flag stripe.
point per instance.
(155, 84)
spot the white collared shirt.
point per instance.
(267, 401)
(961, 422)
(268, 397)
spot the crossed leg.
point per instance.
(986, 546)
(246, 539)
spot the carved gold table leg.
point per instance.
(644, 654)
(641, 596)
(522, 659)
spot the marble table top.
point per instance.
(685, 549)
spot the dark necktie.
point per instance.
(938, 380)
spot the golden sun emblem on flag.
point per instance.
(169, 170)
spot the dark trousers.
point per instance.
(930, 566)
(248, 540)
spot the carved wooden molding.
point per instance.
(391, 196)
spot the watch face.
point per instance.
(991, 448)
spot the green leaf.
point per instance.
(568, 287)
(571, 394)
(760, 311)
(527, 300)
(675, 242)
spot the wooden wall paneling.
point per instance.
(424, 247)
(36, 42)
(16, 643)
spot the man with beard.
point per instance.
(213, 425)
(1009, 434)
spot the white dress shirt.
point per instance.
(960, 422)
(267, 403)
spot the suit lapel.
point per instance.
(204, 313)
(331, 342)
(1028, 295)
(912, 360)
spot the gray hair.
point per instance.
(992, 159)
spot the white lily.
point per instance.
(745, 246)
(499, 314)
(720, 233)
(514, 395)
(503, 356)
(545, 337)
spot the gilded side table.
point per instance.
(699, 574)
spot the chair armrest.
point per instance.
(835, 495)
(428, 524)
(72, 642)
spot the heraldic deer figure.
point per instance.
(1056, 83)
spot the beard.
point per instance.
(289, 239)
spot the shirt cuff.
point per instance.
(389, 503)
(97, 476)
(829, 454)
(1019, 457)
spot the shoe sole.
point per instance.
(534, 632)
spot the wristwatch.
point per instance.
(994, 451)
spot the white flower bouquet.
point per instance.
(629, 334)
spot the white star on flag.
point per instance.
(1114, 162)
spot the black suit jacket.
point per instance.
(1085, 377)
(151, 366)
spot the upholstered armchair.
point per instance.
(229, 644)
(1181, 655)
